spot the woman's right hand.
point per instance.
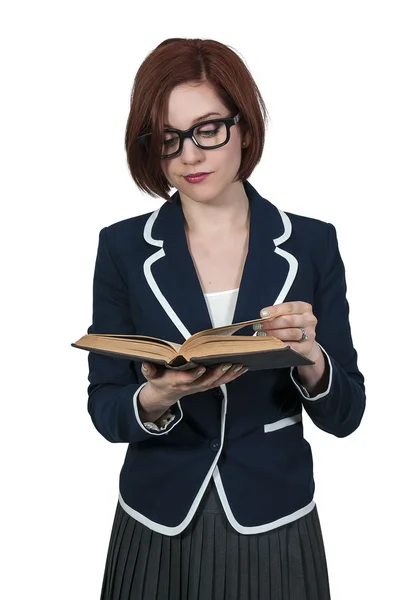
(166, 386)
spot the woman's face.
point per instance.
(188, 103)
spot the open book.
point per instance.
(209, 347)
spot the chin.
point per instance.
(200, 192)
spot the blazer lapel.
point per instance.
(170, 272)
(269, 271)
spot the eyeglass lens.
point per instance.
(207, 135)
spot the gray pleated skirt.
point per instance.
(209, 560)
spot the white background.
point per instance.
(327, 72)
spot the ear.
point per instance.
(246, 139)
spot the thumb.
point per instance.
(149, 370)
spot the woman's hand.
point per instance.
(292, 322)
(295, 324)
(167, 386)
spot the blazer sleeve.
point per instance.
(340, 408)
(113, 383)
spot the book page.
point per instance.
(218, 344)
(127, 345)
(223, 330)
(146, 338)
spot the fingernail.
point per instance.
(245, 371)
(200, 372)
(226, 367)
(265, 313)
(237, 368)
(261, 333)
(257, 326)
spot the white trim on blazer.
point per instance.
(214, 471)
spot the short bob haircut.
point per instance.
(178, 61)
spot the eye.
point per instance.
(170, 139)
(209, 130)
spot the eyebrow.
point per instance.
(198, 119)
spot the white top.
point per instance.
(221, 306)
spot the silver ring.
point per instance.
(304, 336)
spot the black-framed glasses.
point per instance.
(206, 135)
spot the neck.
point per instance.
(222, 215)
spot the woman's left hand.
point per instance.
(293, 323)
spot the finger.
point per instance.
(186, 377)
(285, 308)
(233, 373)
(149, 370)
(293, 334)
(224, 373)
(198, 373)
(213, 374)
(183, 377)
(287, 321)
(206, 379)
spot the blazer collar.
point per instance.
(170, 272)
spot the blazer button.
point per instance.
(215, 445)
(217, 393)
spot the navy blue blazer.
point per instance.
(248, 434)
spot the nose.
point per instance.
(190, 153)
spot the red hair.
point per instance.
(176, 61)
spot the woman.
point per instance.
(216, 491)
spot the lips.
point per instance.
(191, 175)
(196, 177)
